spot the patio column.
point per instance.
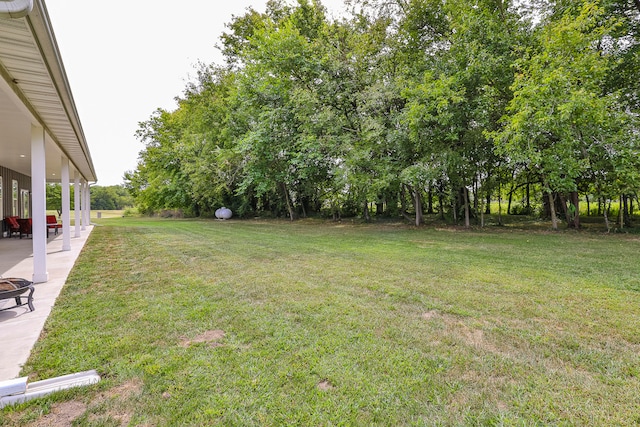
(83, 185)
(38, 205)
(77, 189)
(88, 204)
(66, 205)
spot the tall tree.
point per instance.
(160, 182)
(562, 121)
(462, 96)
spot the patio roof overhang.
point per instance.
(34, 91)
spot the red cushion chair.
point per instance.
(12, 225)
(52, 224)
(25, 226)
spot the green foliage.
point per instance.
(54, 196)
(466, 98)
(114, 197)
(564, 121)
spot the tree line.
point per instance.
(113, 197)
(406, 107)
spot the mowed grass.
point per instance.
(196, 322)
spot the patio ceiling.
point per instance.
(34, 91)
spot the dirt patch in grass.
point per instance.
(212, 338)
(122, 392)
(460, 329)
(105, 408)
(325, 385)
(430, 315)
(61, 415)
(115, 404)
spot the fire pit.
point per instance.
(15, 288)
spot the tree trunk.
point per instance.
(430, 200)
(574, 209)
(488, 199)
(626, 218)
(500, 204)
(513, 176)
(365, 213)
(552, 208)
(600, 199)
(467, 219)
(292, 214)
(476, 205)
(510, 198)
(563, 206)
(588, 206)
(417, 203)
(606, 219)
(440, 204)
(620, 214)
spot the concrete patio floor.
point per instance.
(19, 327)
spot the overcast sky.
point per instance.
(124, 60)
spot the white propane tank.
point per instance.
(223, 213)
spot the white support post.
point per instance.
(88, 205)
(66, 205)
(39, 205)
(77, 190)
(83, 185)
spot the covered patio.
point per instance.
(41, 138)
(19, 327)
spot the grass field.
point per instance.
(195, 322)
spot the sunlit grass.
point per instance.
(318, 323)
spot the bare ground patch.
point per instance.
(124, 391)
(61, 415)
(431, 314)
(212, 338)
(115, 404)
(325, 385)
(465, 331)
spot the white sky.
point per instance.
(126, 59)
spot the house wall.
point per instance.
(24, 183)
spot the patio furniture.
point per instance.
(25, 226)
(52, 224)
(15, 288)
(12, 225)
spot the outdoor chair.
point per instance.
(14, 288)
(12, 225)
(52, 224)
(25, 226)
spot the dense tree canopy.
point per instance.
(405, 107)
(113, 197)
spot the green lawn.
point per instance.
(194, 322)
